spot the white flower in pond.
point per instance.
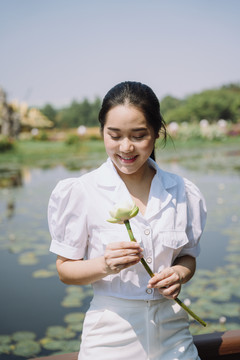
(173, 127)
(234, 218)
(222, 320)
(187, 302)
(221, 186)
(203, 123)
(220, 201)
(222, 123)
(81, 130)
(122, 211)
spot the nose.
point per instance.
(126, 145)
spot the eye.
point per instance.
(114, 137)
(139, 137)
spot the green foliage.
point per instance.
(169, 103)
(41, 136)
(72, 139)
(215, 104)
(6, 143)
(79, 113)
(50, 112)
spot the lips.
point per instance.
(127, 159)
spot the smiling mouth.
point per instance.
(127, 159)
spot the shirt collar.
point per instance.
(108, 178)
(164, 177)
(107, 175)
(159, 197)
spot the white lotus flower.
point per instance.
(123, 211)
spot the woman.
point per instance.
(131, 315)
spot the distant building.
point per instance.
(16, 117)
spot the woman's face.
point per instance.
(128, 138)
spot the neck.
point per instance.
(138, 185)
(139, 177)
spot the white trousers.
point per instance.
(119, 329)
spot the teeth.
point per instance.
(125, 158)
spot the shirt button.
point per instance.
(147, 232)
(149, 291)
(149, 260)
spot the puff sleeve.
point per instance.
(67, 219)
(196, 218)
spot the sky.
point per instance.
(57, 51)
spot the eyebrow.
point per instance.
(134, 129)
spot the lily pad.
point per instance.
(234, 258)
(71, 301)
(27, 348)
(50, 344)
(195, 329)
(72, 346)
(76, 327)
(17, 248)
(64, 346)
(5, 339)
(74, 318)
(75, 296)
(5, 348)
(23, 336)
(28, 258)
(60, 332)
(43, 273)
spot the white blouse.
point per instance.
(171, 227)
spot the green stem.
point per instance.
(130, 233)
(186, 308)
(190, 312)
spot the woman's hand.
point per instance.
(168, 282)
(121, 255)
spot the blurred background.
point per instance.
(58, 59)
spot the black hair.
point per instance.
(140, 96)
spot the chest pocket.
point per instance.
(168, 246)
(173, 239)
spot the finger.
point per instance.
(124, 245)
(122, 253)
(163, 285)
(164, 279)
(113, 261)
(171, 292)
(159, 281)
(116, 268)
(127, 265)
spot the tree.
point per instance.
(223, 103)
(169, 103)
(50, 112)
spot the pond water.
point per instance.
(39, 315)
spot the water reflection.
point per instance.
(10, 177)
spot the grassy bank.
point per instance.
(48, 154)
(204, 155)
(90, 153)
